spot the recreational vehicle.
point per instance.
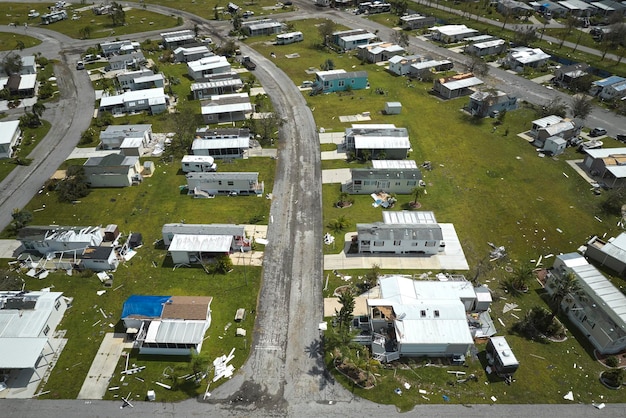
(289, 38)
(501, 357)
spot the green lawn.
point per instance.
(137, 20)
(30, 139)
(145, 209)
(216, 10)
(494, 188)
(10, 41)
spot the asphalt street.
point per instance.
(284, 375)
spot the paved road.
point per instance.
(284, 375)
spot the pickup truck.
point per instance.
(246, 62)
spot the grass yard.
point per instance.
(494, 188)
(10, 41)
(216, 10)
(87, 24)
(145, 209)
(30, 139)
(237, 289)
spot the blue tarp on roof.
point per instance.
(148, 306)
(614, 79)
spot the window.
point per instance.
(430, 243)
(411, 183)
(231, 183)
(219, 182)
(357, 182)
(341, 83)
(397, 243)
(46, 330)
(379, 243)
(436, 313)
(397, 183)
(57, 305)
(422, 313)
(365, 242)
(352, 81)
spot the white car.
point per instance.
(3, 386)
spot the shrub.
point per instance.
(612, 361)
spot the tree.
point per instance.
(507, 14)
(20, 45)
(614, 201)
(400, 7)
(344, 315)
(338, 224)
(73, 187)
(117, 14)
(237, 21)
(556, 106)
(477, 66)
(518, 281)
(328, 65)
(371, 277)
(581, 106)
(223, 264)
(564, 288)
(401, 38)
(524, 36)
(570, 24)
(85, 32)
(38, 108)
(228, 48)
(326, 29)
(12, 63)
(416, 191)
(199, 363)
(267, 125)
(21, 218)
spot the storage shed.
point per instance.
(111, 232)
(393, 108)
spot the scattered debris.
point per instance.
(328, 239)
(494, 399)
(163, 385)
(398, 391)
(599, 405)
(222, 368)
(569, 396)
(509, 307)
(497, 253)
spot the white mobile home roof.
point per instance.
(357, 37)
(213, 108)
(21, 353)
(464, 83)
(452, 30)
(177, 36)
(200, 143)
(131, 143)
(180, 332)
(201, 243)
(616, 247)
(198, 159)
(409, 217)
(7, 130)
(394, 164)
(489, 44)
(602, 290)
(527, 55)
(28, 81)
(429, 64)
(208, 63)
(381, 142)
(231, 82)
(547, 121)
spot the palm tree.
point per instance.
(344, 315)
(416, 191)
(522, 275)
(339, 224)
(563, 289)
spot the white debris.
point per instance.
(222, 368)
(569, 396)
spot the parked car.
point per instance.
(247, 14)
(621, 137)
(80, 65)
(597, 132)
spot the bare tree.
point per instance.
(401, 38)
(570, 24)
(556, 106)
(581, 106)
(326, 30)
(477, 66)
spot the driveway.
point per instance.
(103, 366)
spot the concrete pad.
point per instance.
(332, 305)
(337, 175)
(332, 137)
(333, 155)
(250, 258)
(103, 366)
(543, 79)
(9, 248)
(452, 258)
